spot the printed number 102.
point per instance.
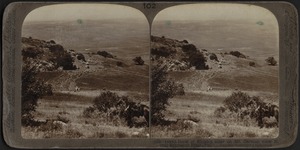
(149, 5)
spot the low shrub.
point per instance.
(105, 101)
(252, 64)
(271, 61)
(138, 61)
(236, 101)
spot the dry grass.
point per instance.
(131, 79)
(202, 106)
(68, 111)
(196, 106)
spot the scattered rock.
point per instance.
(46, 56)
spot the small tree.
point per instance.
(32, 89)
(162, 89)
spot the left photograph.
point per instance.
(85, 72)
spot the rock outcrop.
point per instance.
(46, 55)
(177, 55)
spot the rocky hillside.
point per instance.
(182, 55)
(46, 55)
(177, 55)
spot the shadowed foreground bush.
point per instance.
(236, 101)
(241, 106)
(117, 109)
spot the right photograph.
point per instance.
(215, 72)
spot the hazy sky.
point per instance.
(59, 12)
(203, 11)
(214, 11)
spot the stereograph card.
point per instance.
(150, 74)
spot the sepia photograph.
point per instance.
(150, 75)
(85, 72)
(215, 72)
